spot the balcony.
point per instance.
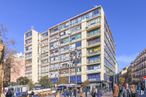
(93, 42)
(93, 53)
(94, 79)
(28, 37)
(53, 40)
(29, 64)
(97, 61)
(93, 71)
(28, 57)
(93, 35)
(28, 51)
(93, 26)
(28, 44)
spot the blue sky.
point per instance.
(127, 20)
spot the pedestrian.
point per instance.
(86, 91)
(64, 93)
(81, 93)
(133, 90)
(93, 92)
(116, 90)
(10, 93)
(70, 92)
(74, 92)
(57, 94)
(99, 93)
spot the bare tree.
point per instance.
(8, 54)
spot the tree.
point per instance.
(30, 84)
(45, 82)
(8, 53)
(23, 81)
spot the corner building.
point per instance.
(89, 35)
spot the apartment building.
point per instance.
(31, 53)
(139, 66)
(87, 34)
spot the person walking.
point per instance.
(116, 90)
(133, 90)
(10, 93)
(74, 92)
(99, 93)
(93, 92)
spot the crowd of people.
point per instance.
(82, 92)
(127, 90)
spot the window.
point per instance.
(64, 57)
(44, 61)
(75, 45)
(93, 22)
(94, 77)
(28, 61)
(65, 48)
(54, 37)
(54, 29)
(44, 49)
(54, 45)
(28, 54)
(44, 35)
(75, 37)
(74, 78)
(54, 51)
(28, 48)
(93, 50)
(56, 58)
(45, 42)
(28, 41)
(94, 67)
(65, 40)
(65, 25)
(28, 34)
(93, 41)
(78, 44)
(93, 32)
(93, 59)
(76, 28)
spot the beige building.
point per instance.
(31, 53)
(17, 68)
(87, 34)
(138, 67)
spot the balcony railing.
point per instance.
(94, 33)
(93, 53)
(93, 71)
(93, 61)
(93, 26)
(93, 43)
(94, 79)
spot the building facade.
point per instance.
(31, 53)
(88, 35)
(17, 68)
(139, 66)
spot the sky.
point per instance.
(126, 18)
